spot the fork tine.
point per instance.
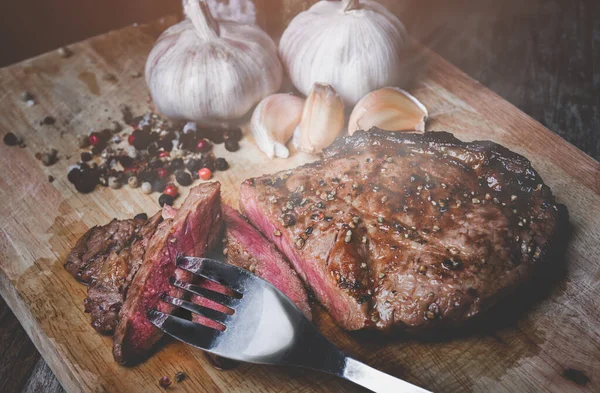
(219, 272)
(216, 297)
(192, 333)
(196, 309)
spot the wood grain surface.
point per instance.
(551, 342)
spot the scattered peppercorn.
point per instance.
(215, 135)
(202, 145)
(204, 174)
(86, 156)
(146, 188)
(133, 182)
(221, 164)
(11, 139)
(165, 199)
(50, 157)
(114, 182)
(161, 172)
(234, 134)
(164, 382)
(176, 163)
(193, 165)
(171, 190)
(179, 376)
(232, 145)
(208, 161)
(50, 178)
(183, 178)
(159, 185)
(48, 121)
(141, 216)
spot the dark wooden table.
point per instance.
(543, 56)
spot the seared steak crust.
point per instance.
(85, 260)
(407, 230)
(107, 291)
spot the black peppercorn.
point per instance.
(221, 164)
(48, 121)
(189, 141)
(11, 139)
(74, 175)
(165, 199)
(141, 216)
(141, 139)
(159, 185)
(155, 163)
(208, 161)
(126, 161)
(177, 163)
(179, 376)
(288, 220)
(233, 133)
(193, 165)
(153, 149)
(86, 156)
(232, 145)
(146, 176)
(164, 145)
(183, 178)
(84, 178)
(215, 135)
(97, 149)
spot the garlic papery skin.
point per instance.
(322, 119)
(274, 121)
(354, 46)
(391, 109)
(211, 72)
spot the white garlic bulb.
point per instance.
(211, 72)
(354, 46)
(274, 121)
(322, 119)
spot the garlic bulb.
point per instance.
(274, 121)
(354, 46)
(322, 119)
(390, 109)
(211, 72)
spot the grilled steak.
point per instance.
(107, 291)
(85, 260)
(249, 249)
(410, 231)
(191, 230)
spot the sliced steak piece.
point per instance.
(409, 231)
(191, 230)
(87, 257)
(249, 249)
(106, 293)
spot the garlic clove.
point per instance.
(322, 119)
(274, 121)
(390, 109)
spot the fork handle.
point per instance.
(375, 380)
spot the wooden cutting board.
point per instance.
(548, 340)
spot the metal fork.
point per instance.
(265, 327)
